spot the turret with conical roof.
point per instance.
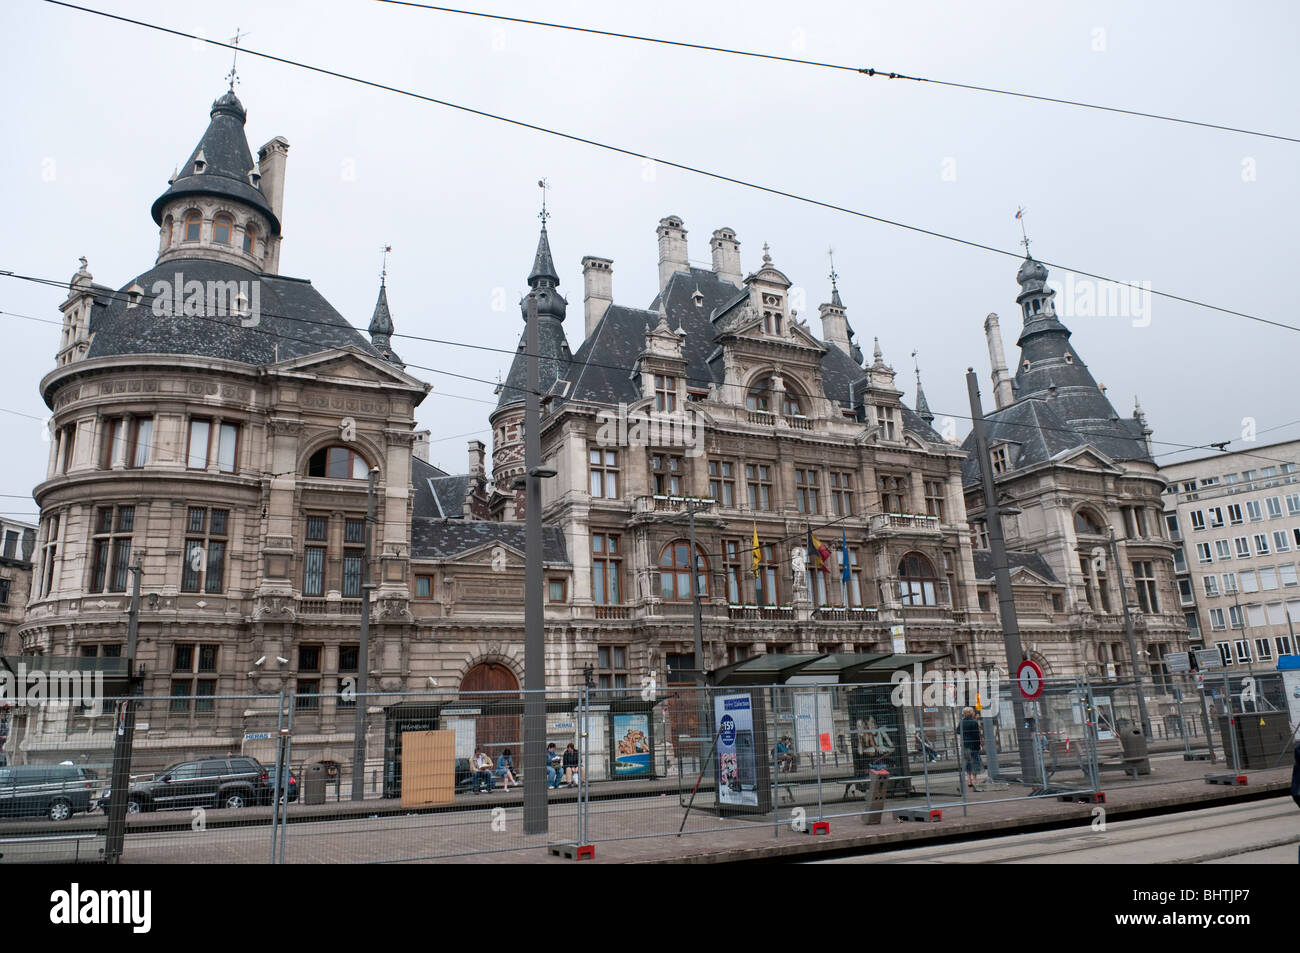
(381, 327)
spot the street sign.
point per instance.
(1208, 658)
(1029, 679)
(900, 641)
(1178, 662)
(257, 735)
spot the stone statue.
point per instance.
(799, 565)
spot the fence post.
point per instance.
(1232, 723)
(771, 749)
(279, 769)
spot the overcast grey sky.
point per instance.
(99, 113)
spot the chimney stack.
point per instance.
(477, 455)
(420, 445)
(270, 166)
(597, 289)
(835, 326)
(672, 249)
(726, 256)
(1002, 393)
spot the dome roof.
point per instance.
(1031, 270)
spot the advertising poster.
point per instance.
(737, 771)
(631, 745)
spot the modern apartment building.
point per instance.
(1237, 516)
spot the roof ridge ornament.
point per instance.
(233, 76)
(1024, 236)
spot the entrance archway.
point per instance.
(494, 733)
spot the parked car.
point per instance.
(211, 782)
(271, 778)
(56, 791)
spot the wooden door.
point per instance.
(495, 733)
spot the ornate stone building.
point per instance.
(1070, 470)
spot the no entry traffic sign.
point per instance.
(1029, 679)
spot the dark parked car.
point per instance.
(56, 791)
(211, 782)
(268, 798)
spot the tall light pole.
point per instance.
(1128, 631)
(535, 797)
(124, 735)
(363, 652)
(1002, 574)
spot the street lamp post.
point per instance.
(1128, 631)
(124, 735)
(363, 652)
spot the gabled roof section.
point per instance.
(441, 539)
(1017, 560)
(220, 164)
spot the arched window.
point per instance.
(675, 572)
(250, 237)
(338, 463)
(222, 226)
(760, 396)
(192, 223)
(1085, 521)
(917, 583)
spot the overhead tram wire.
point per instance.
(718, 176)
(1179, 447)
(870, 72)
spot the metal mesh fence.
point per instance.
(271, 778)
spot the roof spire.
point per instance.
(922, 405)
(835, 291)
(233, 76)
(767, 258)
(1020, 215)
(383, 268)
(381, 322)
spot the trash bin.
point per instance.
(1134, 745)
(313, 786)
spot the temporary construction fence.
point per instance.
(270, 778)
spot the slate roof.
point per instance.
(227, 163)
(293, 315)
(1058, 405)
(447, 539)
(1016, 559)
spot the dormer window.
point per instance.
(222, 226)
(250, 237)
(885, 421)
(1001, 460)
(192, 224)
(200, 163)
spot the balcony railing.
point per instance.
(612, 612)
(798, 421)
(342, 607)
(760, 612)
(850, 614)
(903, 521)
(762, 417)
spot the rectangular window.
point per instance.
(1261, 544)
(1203, 553)
(1229, 583)
(111, 548)
(424, 587)
(1225, 652)
(352, 572)
(841, 493)
(606, 569)
(1249, 581)
(1235, 617)
(666, 472)
(1281, 544)
(1263, 650)
(137, 453)
(1216, 620)
(1267, 580)
(1293, 504)
(934, 499)
(68, 441)
(1171, 526)
(1274, 504)
(722, 482)
(197, 453)
(1198, 520)
(893, 493)
(1243, 547)
(1216, 516)
(733, 556)
(313, 573)
(1243, 649)
(1254, 511)
(604, 474)
(1283, 643)
(1000, 462)
(885, 421)
(50, 555)
(665, 393)
(1287, 574)
(758, 482)
(1144, 578)
(1211, 585)
(114, 431)
(227, 444)
(555, 590)
(611, 667)
(309, 658)
(1223, 548)
(1180, 561)
(1234, 514)
(4, 592)
(204, 566)
(807, 484)
(767, 581)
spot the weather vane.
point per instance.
(543, 215)
(916, 364)
(1020, 216)
(383, 268)
(234, 60)
(830, 253)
